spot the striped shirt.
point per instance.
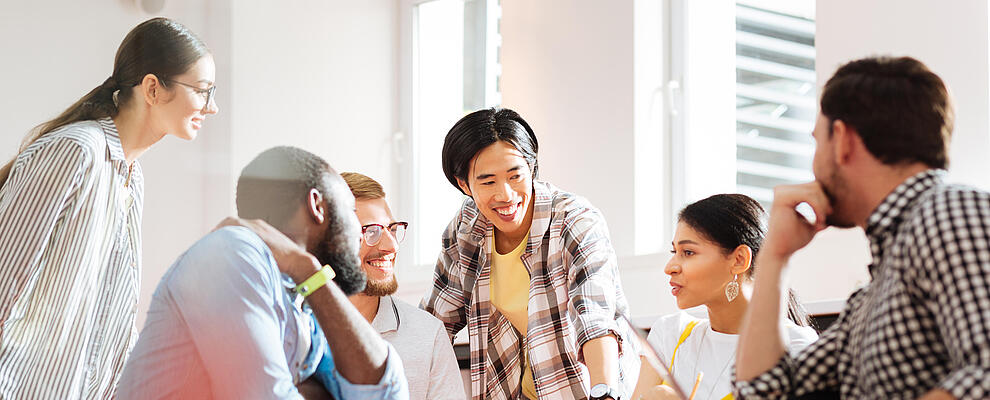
(70, 251)
(574, 296)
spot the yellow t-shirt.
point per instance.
(509, 292)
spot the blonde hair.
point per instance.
(363, 187)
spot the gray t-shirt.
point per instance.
(425, 349)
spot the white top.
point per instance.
(709, 352)
(424, 347)
(70, 264)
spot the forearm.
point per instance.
(601, 356)
(358, 351)
(760, 343)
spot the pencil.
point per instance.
(697, 382)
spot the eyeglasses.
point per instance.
(205, 93)
(372, 233)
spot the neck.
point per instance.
(367, 305)
(136, 134)
(725, 316)
(884, 181)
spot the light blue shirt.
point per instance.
(224, 322)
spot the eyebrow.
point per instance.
(206, 81)
(686, 242)
(486, 176)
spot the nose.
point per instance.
(672, 267)
(387, 244)
(211, 107)
(503, 193)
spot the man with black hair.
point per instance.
(239, 315)
(920, 328)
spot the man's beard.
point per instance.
(342, 255)
(834, 185)
(384, 287)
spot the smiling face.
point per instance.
(183, 114)
(378, 261)
(699, 269)
(501, 185)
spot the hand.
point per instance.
(660, 392)
(292, 259)
(789, 231)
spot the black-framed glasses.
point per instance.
(372, 233)
(205, 93)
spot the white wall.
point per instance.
(567, 68)
(318, 75)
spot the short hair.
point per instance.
(481, 129)
(279, 178)
(900, 108)
(363, 187)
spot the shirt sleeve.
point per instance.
(392, 386)
(593, 276)
(228, 301)
(40, 189)
(955, 278)
(814, 369)
(448, 299)
(445, 375)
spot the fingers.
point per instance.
(792, 197)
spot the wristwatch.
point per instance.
(603, 391)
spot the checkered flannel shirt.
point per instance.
(574, 296)
(923, 322)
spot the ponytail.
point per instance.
(796, 311)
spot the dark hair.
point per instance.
(158, 46)
(900, 108)
(481, 129)
(277, 179)
(731, 220)
(273, 187)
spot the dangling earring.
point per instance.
(732, 289)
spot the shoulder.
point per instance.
(946, 201)
(234, 251)
(418, 318)
(86, 135)
(568, 205)
(83, 142)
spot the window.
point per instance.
(775, 95)
(455, 70)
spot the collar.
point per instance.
(888, 215)
(113, 139)
(387, 318)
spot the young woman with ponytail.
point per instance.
(714, 246)
(70, 217)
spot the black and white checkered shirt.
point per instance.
(924, 320)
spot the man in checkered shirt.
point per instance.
(921, 328)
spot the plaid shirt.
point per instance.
(924, 320)
(574, 296)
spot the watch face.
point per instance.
(599, 390)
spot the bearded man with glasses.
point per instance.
(419, 337)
